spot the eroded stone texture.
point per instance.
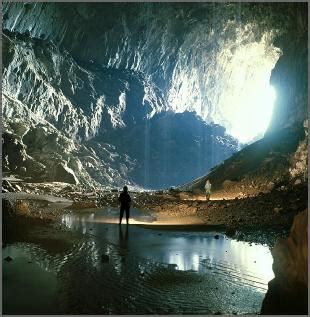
(75, 74)
(288, 291)
(84, 124)
(290, 74)
(299, 162)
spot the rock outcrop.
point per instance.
(263, 166)
(290, 74)
(288, 291)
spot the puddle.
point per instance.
(194, 250)
(146, 270)
(25, 280)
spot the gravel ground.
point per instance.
(250, 218)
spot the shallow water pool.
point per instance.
(150, 270)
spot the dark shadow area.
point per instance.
(171, 148)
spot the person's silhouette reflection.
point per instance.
(123, 240)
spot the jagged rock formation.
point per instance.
(50, 105)
(150, 38)
(77, 76)
(63, 122)
(288, 291)
(64, 113)
(187, 62)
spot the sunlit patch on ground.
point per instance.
(111, 216)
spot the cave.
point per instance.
(198, 112)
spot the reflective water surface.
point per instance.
(148, 270)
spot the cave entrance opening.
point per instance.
(230, 85)
(247, 96)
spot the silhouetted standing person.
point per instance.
(125, 200)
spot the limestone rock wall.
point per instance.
(290, 74)
(74, 75)
(90, 125)
(288, 291)
(176, 47)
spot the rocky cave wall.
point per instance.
(288, 291)
(84, 124)
(181, 49)
(290, 75)
(78, 80)
(281, 156)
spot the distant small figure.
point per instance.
(208, 189)
(306, 127)
(125, 200)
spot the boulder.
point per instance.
(297, 181)
(22, 208)
(291, 255)
(23, 169)
(288, 291)
(63, 173)
(270, 186)
(230, 232)
(18, 188)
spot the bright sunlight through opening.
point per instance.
(230, 85)
(253, 107)
(248, 98)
